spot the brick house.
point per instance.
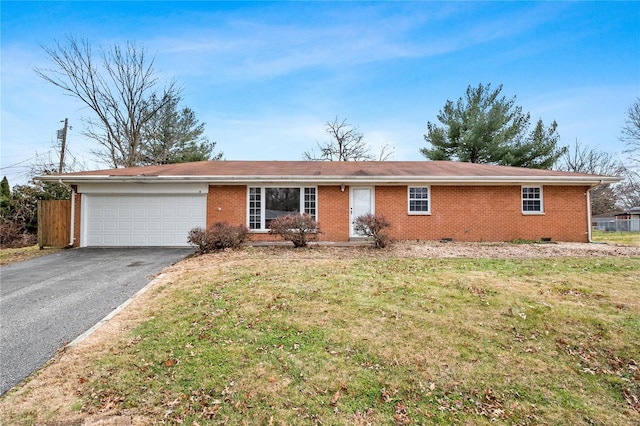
(423, 200)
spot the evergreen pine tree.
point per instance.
(483, 127)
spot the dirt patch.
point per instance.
(431, 249)
(50, 396)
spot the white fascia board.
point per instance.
(142, 188)
(340, 180)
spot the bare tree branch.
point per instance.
(581, 159)
(116, 89)
(631, 132)
(346, 143)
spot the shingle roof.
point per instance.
(330, 171)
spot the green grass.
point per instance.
(299, 339)
(441, 341)
(625, 238)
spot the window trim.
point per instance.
(522, 200)
(419, 213)
(262, 188)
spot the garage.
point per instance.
(141, 218)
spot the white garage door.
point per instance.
(140, 220)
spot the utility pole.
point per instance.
(62, 136)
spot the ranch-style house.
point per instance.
(423, 200)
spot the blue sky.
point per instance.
(265, 77)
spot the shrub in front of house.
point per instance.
(297, 228)
(374, 226)
(218, 236)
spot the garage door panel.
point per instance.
(168, 240)
(125, 212)
(93, 240)
(142, 219)
(107, 225)
(154, 226)
(139, 226)
(156, 200)
(96, 226)
(183, 212)
(124, 226)
(139, 239)
(108, 239)
(184, 226)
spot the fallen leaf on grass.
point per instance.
(334, 399)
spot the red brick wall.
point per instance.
(486, 213)
(476, 213)
(333, 213)
(226, 203)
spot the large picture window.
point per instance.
(532, 200)
(268, 203)
(419, 201)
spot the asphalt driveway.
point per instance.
(48, 301)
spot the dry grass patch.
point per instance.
(14, 255)
(351, 336)
(624, 238)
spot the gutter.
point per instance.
(589, 234)
(338, 180)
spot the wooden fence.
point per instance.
(54, 223)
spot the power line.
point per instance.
(28, 159)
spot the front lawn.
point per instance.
(351, 336)
(626, 238)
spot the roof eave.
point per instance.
(340, 180)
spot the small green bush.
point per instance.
(218, 236)
(297, 228)
(374, 227)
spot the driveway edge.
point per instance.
(113, 313)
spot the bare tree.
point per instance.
(117, 88)
(628, 191)
(346, 143)
(631, 132)
(581, 159)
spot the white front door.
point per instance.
(361, 203)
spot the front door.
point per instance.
(361, 204)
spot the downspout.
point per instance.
(72, 234)
(589, 215)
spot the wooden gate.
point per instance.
(54, 223)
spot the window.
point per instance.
(255, 208)
(419, 200)
(310, 201)
(532, 199)
(267, 203)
